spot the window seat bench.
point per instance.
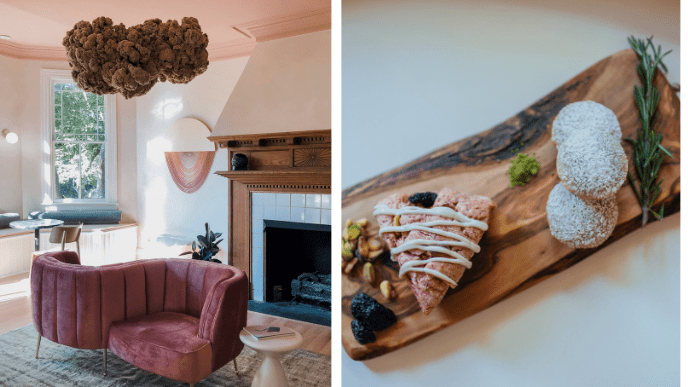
(100, 244)
(98, 216)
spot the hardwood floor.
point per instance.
(15, 302)
(15, 312)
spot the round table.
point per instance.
(36, 225)
(270, 372)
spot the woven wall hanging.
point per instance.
(192, 154)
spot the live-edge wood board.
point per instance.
(518, 250)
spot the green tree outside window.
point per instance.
(78, 143)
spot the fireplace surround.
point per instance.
(286, 162)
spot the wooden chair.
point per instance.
(62, 235)
(67, 234)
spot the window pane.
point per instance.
(93, 171)
(79, 113)
(58, 95)
(58, 130)
(91, 98)
(101, 100)
(58, 86)
(58, 112)
(66, 171)
(68, 86)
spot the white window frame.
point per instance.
(48, 78)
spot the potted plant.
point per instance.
(206, 248)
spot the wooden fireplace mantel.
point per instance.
(287, 162)
(279, 181)
(301, 138)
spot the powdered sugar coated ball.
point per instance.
(580, 223)
(584, 116)
(592, 166)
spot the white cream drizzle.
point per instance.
(432, 245)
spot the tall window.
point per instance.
(81, 142)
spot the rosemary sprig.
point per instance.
(648, 153)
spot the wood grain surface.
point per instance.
(518, 250)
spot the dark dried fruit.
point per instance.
(371, 313)
(361, 333)
(425, 199)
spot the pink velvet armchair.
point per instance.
(178, 318)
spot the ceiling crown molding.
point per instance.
(30, 52)
(231, 50)
(283, 27)
(258, 31)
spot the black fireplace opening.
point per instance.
(298, 265)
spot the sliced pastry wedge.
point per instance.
(433, 237)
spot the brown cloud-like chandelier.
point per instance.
(110, 59)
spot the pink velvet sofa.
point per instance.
(178, 318)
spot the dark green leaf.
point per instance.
(665, 151)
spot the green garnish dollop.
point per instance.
(522, 168)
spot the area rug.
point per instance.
(59, 365)
(302, 312)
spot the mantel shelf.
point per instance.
(279, 177)
(279, 139)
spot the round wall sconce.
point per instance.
(10, 137)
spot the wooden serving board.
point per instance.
(518, 250)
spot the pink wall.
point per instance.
(163, 210)
(11, 76)
(286, 86)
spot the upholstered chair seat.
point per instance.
(163, 338)
(178, 318)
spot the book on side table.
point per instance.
(261, 332)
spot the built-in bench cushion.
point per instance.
(8, 217)
(98, 216)
(159, 341)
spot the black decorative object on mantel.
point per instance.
(239, 162)
(206, 248)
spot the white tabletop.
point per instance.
(33, 224)
(273, 344)
(417, 76)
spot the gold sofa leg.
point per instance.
(38, 346)
(104, 361)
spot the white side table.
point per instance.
(270, 373)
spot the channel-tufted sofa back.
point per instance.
(75, 305)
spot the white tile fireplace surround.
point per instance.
(302, 208)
